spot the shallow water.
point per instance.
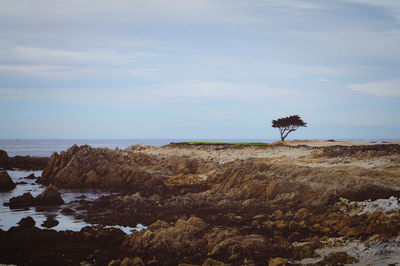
(10, 217)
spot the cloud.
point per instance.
(196, 92)
(62, 56)
(386, 88)
(391, 6)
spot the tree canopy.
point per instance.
(288, 124)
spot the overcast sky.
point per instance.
(199, 68)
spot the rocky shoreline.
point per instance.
(22, 162)
(218, 205)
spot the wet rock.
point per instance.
(27, 222)
(26, 200)
(6, 182)
(31, 176)
(67, 211)
(50, 196)
(50, 222)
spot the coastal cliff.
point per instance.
(217, 205)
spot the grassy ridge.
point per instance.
(229, 143)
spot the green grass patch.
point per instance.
(229, 143)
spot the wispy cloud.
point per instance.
(386, 88)
(172, 93)
(61, 56)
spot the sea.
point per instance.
(45, 148)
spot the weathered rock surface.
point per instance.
(196, 239)
(22, 162)
(6, 182)
(83, 167)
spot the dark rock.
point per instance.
(26, 200)
(34, 246)
(31, 176)
(50, 196)
(21, 183)
(50, 222)
(22, 162)
(6, 182)
(4, 160)
(27, 222)
(67, 211)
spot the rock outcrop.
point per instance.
(50, 222)
(85, 167)
(6, 182)
(49, 197)
(22, 162)
(27, 222)
(196, 239)
(23, 201)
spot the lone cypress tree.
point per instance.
(288, 124)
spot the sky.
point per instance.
(206, 69)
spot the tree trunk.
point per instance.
(283, 135)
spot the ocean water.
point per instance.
(10, 217)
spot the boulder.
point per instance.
(26, 200)
(27, 222)
(50, 196)
(6, 182)
(4, 160)
(50, 222)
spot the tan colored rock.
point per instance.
(277, 214)
(278, 261)
(115, 262)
